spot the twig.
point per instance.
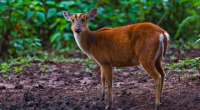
(162, 18)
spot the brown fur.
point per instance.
(124, 46)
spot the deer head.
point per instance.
(79, 20)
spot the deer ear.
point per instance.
(67, 15)
(92, 13)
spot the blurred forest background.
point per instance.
(34, 26)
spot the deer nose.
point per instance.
(77, 30)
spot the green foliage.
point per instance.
(117, 69)
(27, 25)
(18, 27)
(18, 70)
(192, 17)
(173, 58)
(4, 67)
(87, 70)
(93, 74)
(140, 73)
(186, 22)
(197, 40)
(193, 64)
(45, 68)
(22, 61)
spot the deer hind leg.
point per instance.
(107, 72)
(150, 68)
(159, 68)
(103, 85)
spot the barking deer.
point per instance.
(137, 44)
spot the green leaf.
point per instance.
(13, 33)
(39, 44)
(50, 2)
(11, 1)
(35, 2)
(18, 47)
(51, 12)
(36, 39)
(20, 41)
(66, 3)
(20, 12)
(1, 23)
(41, 15)
(54, 37)
(185, 22)
(197, 41)
(59, 45)
(3, 1)
(67, 36)
(54, 24)
(132, 16)
(29, 14)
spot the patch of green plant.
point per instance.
(191, 64)
(87, 70)
(93, 74)
(166, 74)
(90, 62)
(27, 25)
(173, 58)
(18, 70)
(45, 68)
(72, 59)
(192, 76)
(18, 74)
(175, 75)
(140, 73)
(8, 79)
(80, 62)
(5, 75)
(197, 40)
(42, 69)
(117, 69)
(4, 67)
(45, 76)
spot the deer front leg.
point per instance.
(107, 72)
(103, 85)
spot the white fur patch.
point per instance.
(167, 35)
(161, 46)
(161, 37)
(162, 49)
(78, 41)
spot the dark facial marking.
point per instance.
(76, 16)
(80, 16)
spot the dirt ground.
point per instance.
(67, 86)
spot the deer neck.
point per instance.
(83, 40)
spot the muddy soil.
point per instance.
(76, 86)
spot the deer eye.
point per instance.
(83, 20)
(72, 20)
